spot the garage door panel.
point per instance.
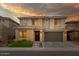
(53, 36)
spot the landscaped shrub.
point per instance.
(21, 43)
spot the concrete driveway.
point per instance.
(60, 44)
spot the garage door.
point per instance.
(53, 36)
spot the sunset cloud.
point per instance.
(40, 9)
(20, 10)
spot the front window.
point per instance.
(22, 34)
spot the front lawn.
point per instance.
(21, 43)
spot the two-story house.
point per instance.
(41, 28)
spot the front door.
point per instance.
(37, 35)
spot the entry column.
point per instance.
(41, 35)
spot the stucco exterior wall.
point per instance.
(17, 35)
(51, 23)
(30, 35)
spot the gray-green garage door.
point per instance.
(53, 36)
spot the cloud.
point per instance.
(21, 10)
(33, 9)
(40, 9)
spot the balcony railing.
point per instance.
(42, 27)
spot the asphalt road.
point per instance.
(39, 51)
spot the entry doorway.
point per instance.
(69, 36)
(73, 36)
(37, 35)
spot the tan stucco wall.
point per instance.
(30, 35)
(17, 35)
(51, 23)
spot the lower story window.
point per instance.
(22, 34)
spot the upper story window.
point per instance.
(23, 22)
(33, 22)
(46, 23)
(58, 23)
(72, 26)
(27, 22)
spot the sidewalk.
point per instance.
(39, 49)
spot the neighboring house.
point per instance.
(7, 28)
(41, 28)
(72, 28)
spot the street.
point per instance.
(39, 51)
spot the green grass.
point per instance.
(21, 43)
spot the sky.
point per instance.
(15, 10)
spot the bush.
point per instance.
(21, 43)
